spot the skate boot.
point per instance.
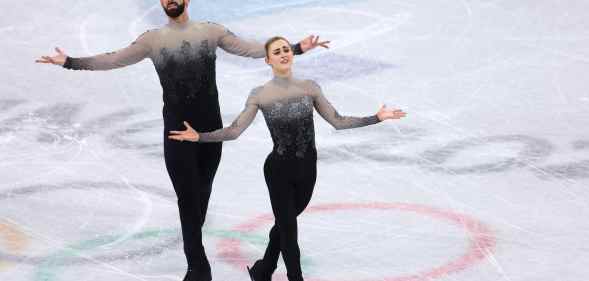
(192, 275)
(257, 272)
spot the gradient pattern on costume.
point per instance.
(287, 104)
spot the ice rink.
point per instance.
(485, 180)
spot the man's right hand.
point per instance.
(58, 59)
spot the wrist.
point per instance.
(297, 49)
(376, 118)
(67, 63)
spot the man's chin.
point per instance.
(174, 12)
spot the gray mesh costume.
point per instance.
(287, 105)
(184, 56)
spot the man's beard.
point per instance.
(174, 13)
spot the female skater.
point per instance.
(290, 169)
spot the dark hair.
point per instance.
(272, 40)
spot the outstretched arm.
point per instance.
(330, 114)
(245, 118)
(233, 44)
(132, 54)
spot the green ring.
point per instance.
(47, 271)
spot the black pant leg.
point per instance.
(180, 158)
(290, 183)
(281, 189)
(264, 268)
(306, 175)
(208, 158)
(192, 177)
(272, 253)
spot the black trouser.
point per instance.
(192, 167)
(290, 183)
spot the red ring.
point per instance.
(482, 240)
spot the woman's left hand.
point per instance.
(187, 135)
(385, 113)
(312, 42)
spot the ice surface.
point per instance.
(486, 179)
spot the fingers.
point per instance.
(312, 42)
(187, 135)
(315, 42)
(183, 137)
(178, 138)
(187, 125)
(397, 111)
(398, 114)
(392, 113)
(387, 110)
(48, 59)
(324, 44)
(188, 129)
(45, 59)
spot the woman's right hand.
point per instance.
(385, 113)
(189, 134)
(58, 59)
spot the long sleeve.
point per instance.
(233, 44)
(245, 118)
(330, 114)
(132, 54)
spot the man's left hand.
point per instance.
(313, 42)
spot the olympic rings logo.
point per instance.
(481, 239)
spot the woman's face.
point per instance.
(280, 56)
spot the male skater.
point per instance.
(183, 53)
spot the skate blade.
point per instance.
(250, 273)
